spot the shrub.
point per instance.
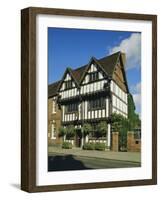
(88, 146)
(94, 146)
(100, 146)
(67, 145)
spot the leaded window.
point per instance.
(68, 84)
(73, 107)
(97, 103)
(93, 76)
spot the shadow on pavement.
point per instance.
(67, 162)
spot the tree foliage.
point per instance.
(116, 120)
(101, 129)
(70, 131)
(62, 131)
(87, 129)
(120, 124)
(134, 120)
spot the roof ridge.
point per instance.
(79, 68)
(54, 83)
(102, 61)
(118, 52)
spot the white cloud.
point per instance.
(132, 47)
(136, 88)
(137, 99)
(136, 93)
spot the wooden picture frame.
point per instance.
(28, 98)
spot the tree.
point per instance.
(116, 120)
(70, 131)
(101, 129)
(134, 120)
(121, 125)
(123, 133)
(62, 132)
(86, 129)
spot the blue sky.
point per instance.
(74, 48)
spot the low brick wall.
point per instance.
(133, 144)
(54, 142)
(70, 141)
(97, 140)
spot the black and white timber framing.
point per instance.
(90, 94)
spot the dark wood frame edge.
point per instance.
(28, 99)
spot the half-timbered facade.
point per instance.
(91, 93)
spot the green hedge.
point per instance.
(88, 146)
(94, 146)
(100, 146)
(67, 145)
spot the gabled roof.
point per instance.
(70, 71)
(53, 88)
(77, 73)
(107, 64)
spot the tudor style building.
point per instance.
(91, 93)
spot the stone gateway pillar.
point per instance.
(133, 144)
(115, 141)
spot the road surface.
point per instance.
(60, 162)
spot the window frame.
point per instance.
(71, 108)
(68, 84)
(93, 76)
(97, 104)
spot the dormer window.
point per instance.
(68, 84)
(93, 76)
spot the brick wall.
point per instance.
(133, 144)
(56, 119)
(115, 141)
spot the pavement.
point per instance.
(120, 156)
